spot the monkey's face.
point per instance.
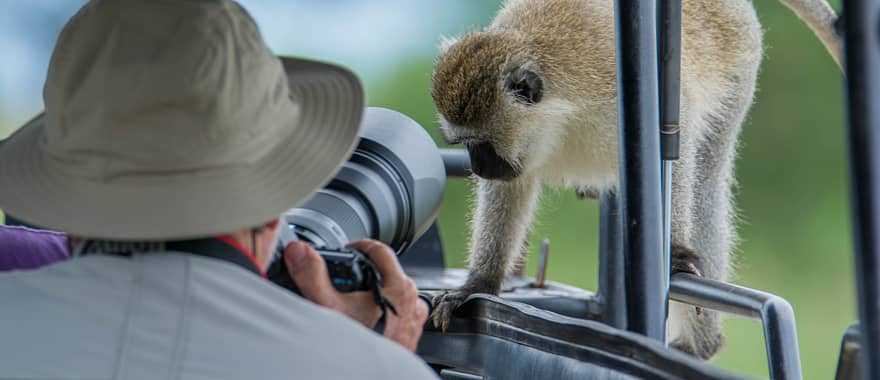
(492, 98)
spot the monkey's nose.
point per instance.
(487, 163)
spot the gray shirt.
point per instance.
(178, 316)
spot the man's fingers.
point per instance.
(309, 273)
(383, 258)
(406, 328)
(362, 307)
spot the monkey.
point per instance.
(533, 98)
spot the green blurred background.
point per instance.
(792, 172)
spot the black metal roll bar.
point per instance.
(639, 161)
(861, 20)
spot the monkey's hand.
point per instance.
(684, 260)
(446, 303)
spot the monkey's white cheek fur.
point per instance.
(543, 132)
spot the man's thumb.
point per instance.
(309, 272)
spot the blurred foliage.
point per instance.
(792, 197)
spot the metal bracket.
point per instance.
(774, 312)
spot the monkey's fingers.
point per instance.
(440, 317)
(686, 267)
(444, 306)
(441, 314)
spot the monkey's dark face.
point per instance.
(486, 163)
(490, 96)
(523, 86)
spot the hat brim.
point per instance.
(331, 104)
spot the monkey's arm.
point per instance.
(501, 222)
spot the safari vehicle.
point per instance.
(538, 329)
(546, 330)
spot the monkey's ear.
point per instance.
(525, 86)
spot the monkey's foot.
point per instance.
(684, 260)
(445, 304)
(701, 336)
(705, 347)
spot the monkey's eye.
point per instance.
(525, 86)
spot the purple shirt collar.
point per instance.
(28, 248)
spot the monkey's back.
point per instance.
(573, 41)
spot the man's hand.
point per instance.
(309, 272)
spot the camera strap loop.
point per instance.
(383, 302)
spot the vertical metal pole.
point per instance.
(612, 292)
(636, 26)
(670, 94)
(862, 46)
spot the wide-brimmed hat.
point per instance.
(169, 119)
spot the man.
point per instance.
(171, 142)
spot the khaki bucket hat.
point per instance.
(172, 119)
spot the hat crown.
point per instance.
(165, 87)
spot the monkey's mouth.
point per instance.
(486, 163)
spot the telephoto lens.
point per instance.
(389, 190)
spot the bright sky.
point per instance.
(367, 36)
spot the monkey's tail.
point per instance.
(820, 17)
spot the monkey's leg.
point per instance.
(501, 222)
(699, 333)
(714, 232)
(684, 257)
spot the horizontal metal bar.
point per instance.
(775, 313)
(457, 162)
(448, 374)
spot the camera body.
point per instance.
(389, 190)
(349, 270)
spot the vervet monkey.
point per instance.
(533, 97)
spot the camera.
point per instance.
(349, 270)
(389, 190)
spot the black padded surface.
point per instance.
(500, 339)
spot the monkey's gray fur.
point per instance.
(533, 97)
